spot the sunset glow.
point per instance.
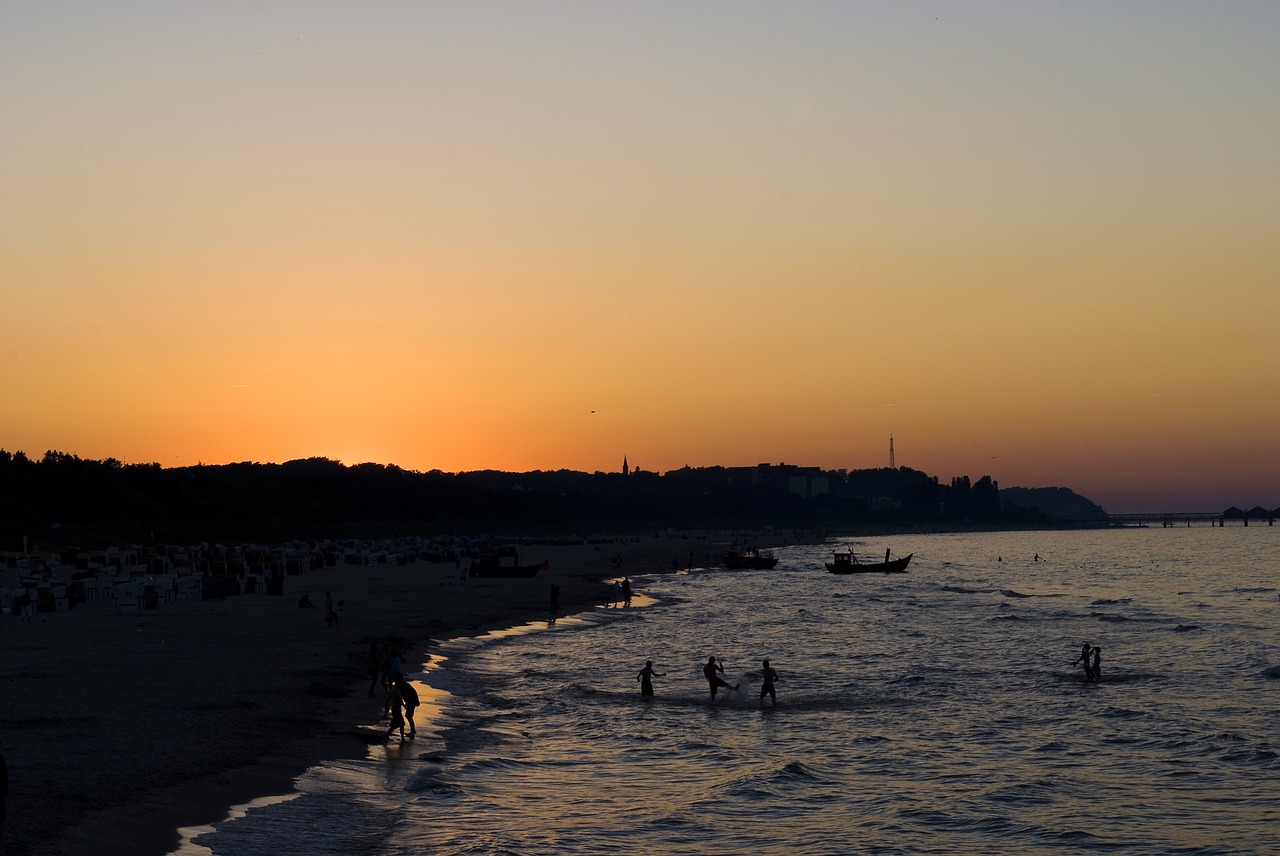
(1035, 241)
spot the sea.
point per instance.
(932, 712)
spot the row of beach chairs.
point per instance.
(25, 596)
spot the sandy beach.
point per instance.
(120, 728)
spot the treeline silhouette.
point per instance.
(62, 499)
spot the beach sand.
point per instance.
(121, 728)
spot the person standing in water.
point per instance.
(1083, 659)
(1097, 665)
(714, 681)
(770, 676)
(409, 696)
(646, 676)
(394, 710)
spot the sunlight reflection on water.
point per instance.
(935, 711)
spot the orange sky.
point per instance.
(1035, 241)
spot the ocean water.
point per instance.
(931, 712)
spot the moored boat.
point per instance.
(750, 560)
(492, 566)
(847, 563)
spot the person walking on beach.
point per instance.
(714, 681)
(393, 707)
(555, 598)
(626, 592)
(770, 676)
(394, 669)
(374, 665)
(646, 677)
(390, 672)
(1097, 665)
(4, 790)
(1083, 660)
(410, 698)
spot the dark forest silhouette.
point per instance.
(62, 498)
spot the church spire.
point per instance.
(626, 470)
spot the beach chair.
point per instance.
(24, 604)
(167, 587)
(191, 587)
(127, 597)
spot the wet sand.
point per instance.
(121, 728)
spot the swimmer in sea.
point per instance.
(713, 680)
(1097, 665)
(646, 677)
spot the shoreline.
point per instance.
(129, 728)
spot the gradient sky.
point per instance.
(1036, 241)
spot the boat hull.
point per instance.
(740, 562)
(488, 571)
(896, 566)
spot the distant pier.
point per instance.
(1190, 518)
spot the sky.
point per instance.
(1036, 241)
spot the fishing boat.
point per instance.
(492, 566)
(847, 563)
(750, 560)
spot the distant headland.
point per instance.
(62, 498)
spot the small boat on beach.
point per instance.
(490, 566)
(847, 563)
(752, 560)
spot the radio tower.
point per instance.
(891, 465)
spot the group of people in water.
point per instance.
(712, 671)
(1091, 658)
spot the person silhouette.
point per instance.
(1097, 665)
(714, 681)
(646, 676)
(374, 666)
(394, 700)
(1083, 660)
(770, 676)
(409, 696)
(4, 789)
